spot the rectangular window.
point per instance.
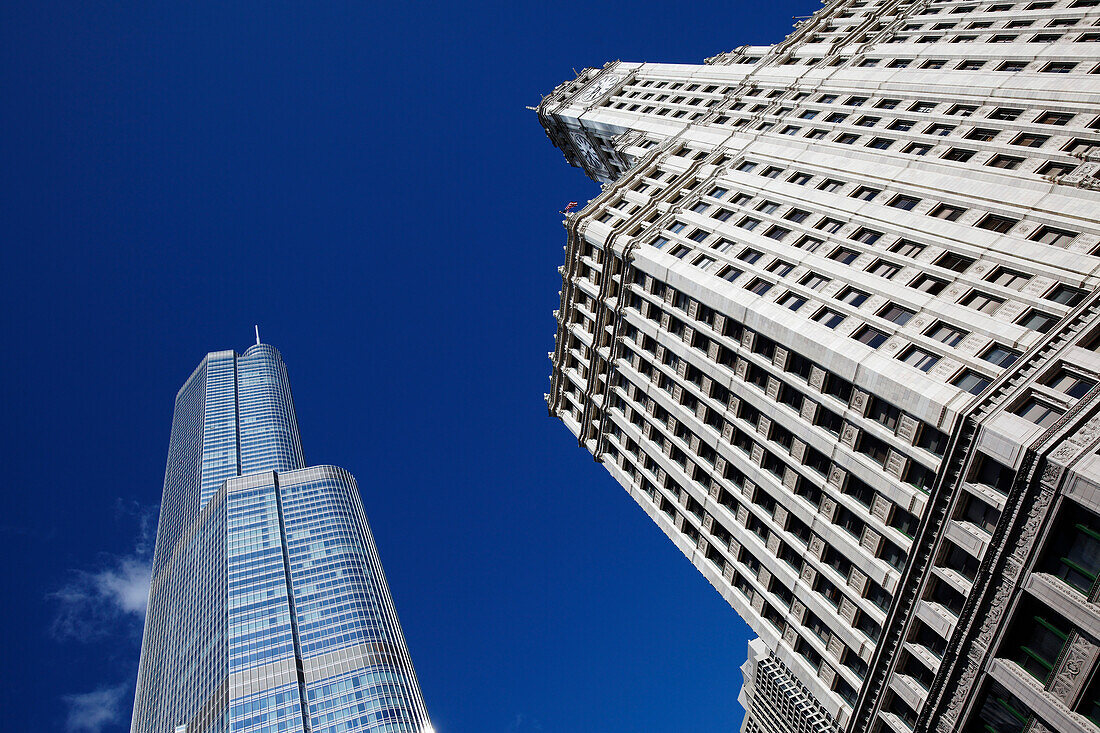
(896, 314)
(906, 203)
(1012, 279)
(917, 357)
(828, 318)
(995, 223)
(971, 381)
(882, 268)
(946, 334)
(870, 336)
(1054, 236)
(928, 284)
(1001, 356)
(950, 213)
(843, 255)
(983, 302)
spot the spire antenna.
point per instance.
(257, 335)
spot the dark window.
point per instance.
(870, 336)
(1073, 551)
(995, 223)
(1001, 356)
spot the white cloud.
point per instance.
(91, 711)
(92, 603)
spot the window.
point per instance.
(843, 255)
(866, 236)
(814, 281)
(1007, 278)
(982, 134)
(939, 129)
(1039, 412)
(1054, 236)
(995, 223)
(1070, 383)
(928, 284)
(746, 167)
(870, 336)
(880, 143)
(922, 107)
(853, 297)
(970, 381)
(1029, 140)
(828, 318)
(759, 286)
(777, 232)
(1001, 356)
(962, 110)
(906, 248)
(1073, 553)
(917, 148)
(748, 223)
(831, 185)
(750, 255)
(1035, 641)
(1059, 67)
(902, 125)
(796, 215)
(808, 243)
(729, 273)
(680, 251)
(959, 155)
(792, 301)
(771, 172)
(970, 65)
(895, 314)
(948, 212)
(917, 357)
(1037, 320)
(1054, 168)
(882, 268)
(983, 302)
(1054, 118)
(946, 334)
(868, 121)
(866, 193)
(1065, 295)
(906, 203)
(1012, 66)
(847, 138)
(781, 268)
(800, 179)
(1005, 113)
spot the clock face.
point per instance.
(600, 87)
(584, 147)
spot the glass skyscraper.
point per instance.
(268, 610)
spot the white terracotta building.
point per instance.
(833, 324)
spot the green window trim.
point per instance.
(1074, 566)
(1038, 658)
(1088, 530)
(1012, 711)
(1051, 628)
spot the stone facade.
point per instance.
(833, 323)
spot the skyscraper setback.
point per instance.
(268, 610)
(833, 323)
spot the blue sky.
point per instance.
(364, 182)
